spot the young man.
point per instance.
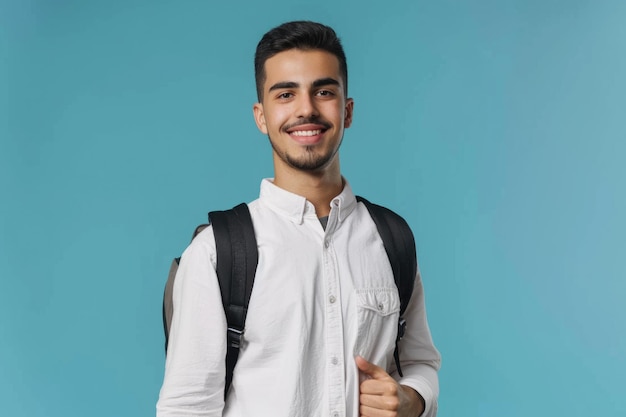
(321, 326)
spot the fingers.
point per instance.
(380, 402)
(370, 369)
(366, 411)
(379, 395)
(378, 387)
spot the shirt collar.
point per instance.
(296, 207)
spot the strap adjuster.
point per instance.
(401, 328)
(234, 337)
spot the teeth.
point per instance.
(306, 132)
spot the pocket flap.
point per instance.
(383, 301)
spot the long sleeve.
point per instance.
(419, 358)
(195, 369)
(296, 357)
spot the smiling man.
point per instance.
(321, 328)
(304, 110)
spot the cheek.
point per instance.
(276, 119)
(335, 112)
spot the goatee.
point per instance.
(309, 161)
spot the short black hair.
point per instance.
(302, 34)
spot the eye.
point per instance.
(285, 95)
(325, 93)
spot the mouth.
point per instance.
(304, 133)
(307, 134)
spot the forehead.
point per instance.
(301, 66)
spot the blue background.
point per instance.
(497, 128)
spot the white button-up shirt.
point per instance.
(320, 298)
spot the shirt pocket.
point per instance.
(378, 311)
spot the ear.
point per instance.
(347, 120)
(259, 117)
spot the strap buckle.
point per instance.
(401, 328)
(234, 337)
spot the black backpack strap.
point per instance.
(400, 247)
(237, 258)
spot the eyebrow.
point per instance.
(284, 84)
(291, 84)
(325, 81)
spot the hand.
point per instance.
(382, 396)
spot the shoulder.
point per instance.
(201, 248)
(387, 219)
(255, 206)
(378, 208)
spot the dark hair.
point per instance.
(303, 35)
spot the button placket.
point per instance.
(334, 323)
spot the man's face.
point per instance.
(304, 109)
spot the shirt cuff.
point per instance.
(424, 387)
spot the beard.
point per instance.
(310, 160)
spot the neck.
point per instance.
(317, 187)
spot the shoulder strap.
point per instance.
(237, 258)
(400, 247)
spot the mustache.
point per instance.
(307, 121)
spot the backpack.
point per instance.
(237, 259)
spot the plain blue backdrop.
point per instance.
(497, 128)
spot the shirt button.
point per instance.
(334, 361)
(326, 244)
(332, 299)
(381, 306)
(335, 414)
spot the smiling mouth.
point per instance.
(306, 132)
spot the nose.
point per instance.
(306, 106)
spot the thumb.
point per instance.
(375, 372)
